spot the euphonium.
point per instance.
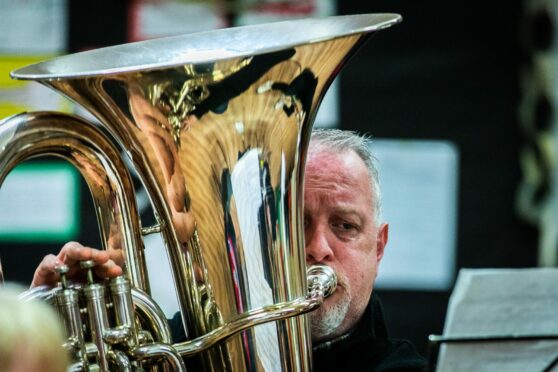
(216, 125)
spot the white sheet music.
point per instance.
(502, 302)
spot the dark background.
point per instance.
(450, 71)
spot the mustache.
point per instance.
(342, 280)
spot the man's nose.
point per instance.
(317, 246)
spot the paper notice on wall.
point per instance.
(33, 26)
(39, 202)
(149, 20)
(17, 96)
(264, 11)
(419, 197)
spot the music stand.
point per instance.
(499, 320)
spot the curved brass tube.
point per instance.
(29, 135)
(217, 127)
(121, 360)
(322, 283)
(161, 350)
(153, 316)
(76, 367)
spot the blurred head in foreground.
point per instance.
(31, 335)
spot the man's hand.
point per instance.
(71, 254)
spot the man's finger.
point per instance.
(108, 270)
(45, 274)
(72, 253)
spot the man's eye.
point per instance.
(344, 226)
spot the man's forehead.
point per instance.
(321, 154)
(341, 207)
(329, 164)
(342, 172)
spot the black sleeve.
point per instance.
(177, 329)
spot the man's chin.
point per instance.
(328, 318)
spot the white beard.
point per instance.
(327, 318)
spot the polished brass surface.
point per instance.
(97, 344)
(29, 135)
(216, 125)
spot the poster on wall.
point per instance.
(150, 20)
(19, 96)
(419, 183)
(30, 31)
(33, 27)
(38, 201)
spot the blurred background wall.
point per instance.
(477, 77)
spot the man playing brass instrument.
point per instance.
(343, 229)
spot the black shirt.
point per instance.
(366, 348)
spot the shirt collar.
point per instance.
(370, 326)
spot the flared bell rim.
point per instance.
(204, 47)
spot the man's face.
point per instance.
(341, 232)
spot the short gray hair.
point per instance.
(341, 141)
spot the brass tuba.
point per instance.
(216, 125)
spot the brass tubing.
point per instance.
(116, 335)
(161, 350)
(120, 360)
(67, 304)
(323, 282)
(77, 367)
(98, 321)
(152, 314)
(217, 126)
(124, 309)
(29, 135)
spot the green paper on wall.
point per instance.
(39, 202)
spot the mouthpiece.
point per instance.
(323, 278)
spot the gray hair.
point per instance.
(341, 141)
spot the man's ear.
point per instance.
(381, 241)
